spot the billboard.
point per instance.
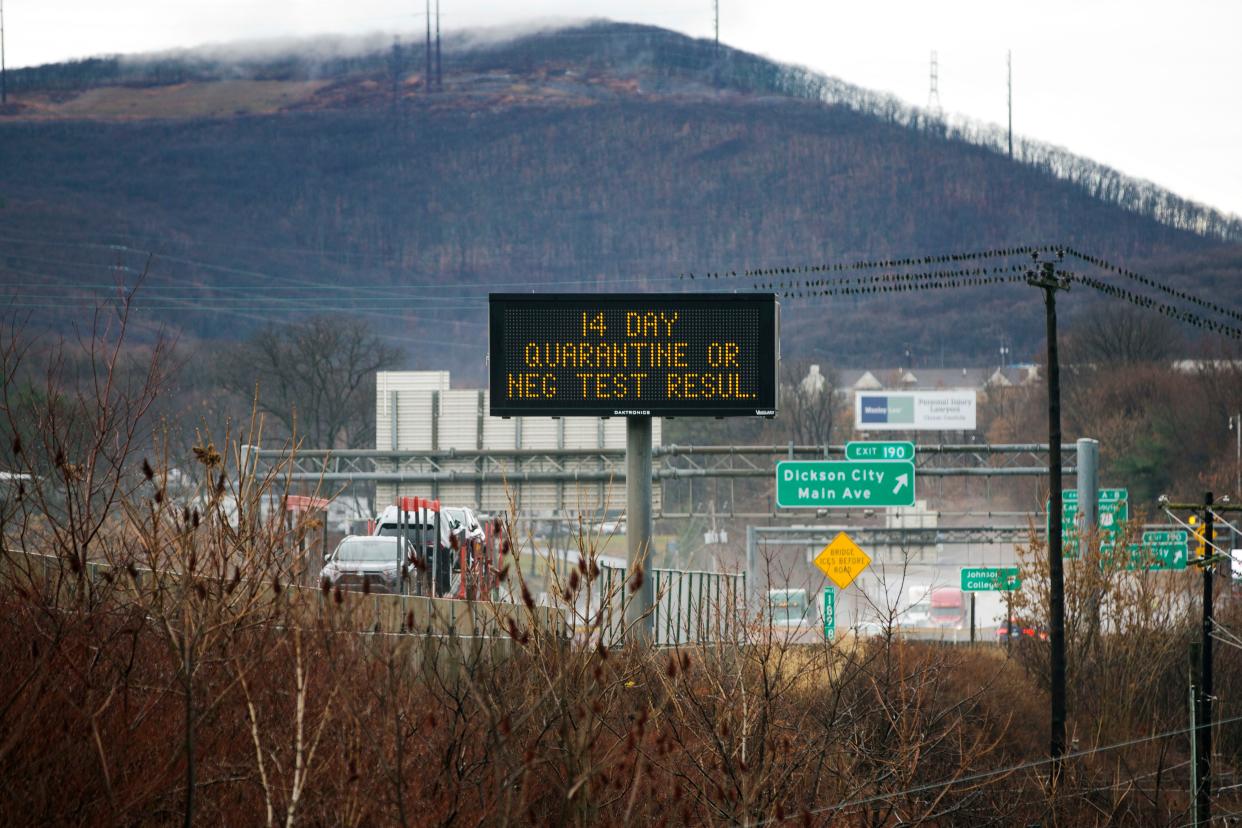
(914, 410)
(633, 354)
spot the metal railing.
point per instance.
(691, 607)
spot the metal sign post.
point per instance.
(638, 529)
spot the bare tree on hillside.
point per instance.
(316, 377)
(808, 397)
(1117, 334)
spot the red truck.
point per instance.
(948, 609)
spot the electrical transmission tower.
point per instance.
(933, 94)
(439, 65)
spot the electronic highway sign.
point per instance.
(633, 354)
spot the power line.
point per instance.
(896, 283)
(871, 264)
(1151, 304)
(904, 282)
(982, 775)
(382, 292)
(1152, 283)
(795, 284)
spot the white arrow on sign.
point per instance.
(902, 480)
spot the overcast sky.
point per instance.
(1151, 88)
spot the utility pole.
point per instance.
(1202, 692)
(1009, 72)
(1044, 276)
(1203, 739)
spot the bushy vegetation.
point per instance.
(162, 666)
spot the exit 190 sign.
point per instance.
(876, 450)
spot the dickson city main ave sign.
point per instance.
(839, 483)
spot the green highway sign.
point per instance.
(879, 451)
(1112, 512)
(990, 579)
(830, 613)
(843, 484)
(1160, 550)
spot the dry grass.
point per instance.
(216, 694)
(217, 99)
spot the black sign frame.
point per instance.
(766, 366)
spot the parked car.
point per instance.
(380, 563)
(1021, 629)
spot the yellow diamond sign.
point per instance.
(842, 560)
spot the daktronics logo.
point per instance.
(875, 409)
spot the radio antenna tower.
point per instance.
(933, 96)
(4, 90)
(427, 76)
(439, 65)
(1009, 73)
(396, 72)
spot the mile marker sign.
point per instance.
(843, 484)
